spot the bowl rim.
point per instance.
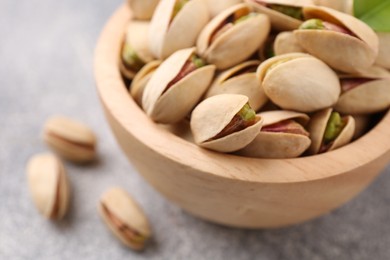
(118, 103)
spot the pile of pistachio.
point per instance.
(49, 184)
(260, 78)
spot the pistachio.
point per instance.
(125, 218)
(285, 42)
(176, 25)
(240, 79)
(345, 6)
(340, 40)
(286, 77)
(224, 123)
(221, 40)
(176, 86)
(383, 58)
(48, 185)
(329, 131)
(143, 9)
(282, 136)
(217, 6)
(292, 11)
(70, 139)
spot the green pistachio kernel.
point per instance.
(247, 113)
(198, 62)
(245, 17)
(131, 59)
(292, 11)
(312, 24)
(334, 127)
(178, 6)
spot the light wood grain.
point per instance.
(227, 189)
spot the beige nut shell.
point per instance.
(227, 49)
(280, 21)
(175, 104)
(212, 115)
(317, 127)
(70, 139)
(285, 42)
(278, 145)
(48, 185)
(339, 50)
(345, 6)
(217, 6)
(302, 83)
(245, 84)
(120, 204)
(166, 36)
(143, 9)
(141, 79)
(383, 58)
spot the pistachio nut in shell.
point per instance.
(282, 136)
(224, 123)
(176, 86)
(70, 139)
(362, 95)
(217, 6)
(285, 15)
(345, 6)
(135, 52)
(125, 218)
(143, 9)
(383, 58)
(176, 25)
(48, 184)
(329, 131)
(240, 79)
(233, 36)
(141, 79)
(285, 42)
(299, 82)
(340, 40)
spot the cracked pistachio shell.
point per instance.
(167, 36)
(125, 218)
(212, 115)
(278, 145)
(339, 50)
(141, 79)
(217, 6)
(299, 82)
(317, 127)
(137, 37)
(48, 184)
(345, 6)
(70, 139)
(383, 58)
(176, 103)
(245, 83)
(368, 97)
(285, 42)
(143, 9)
(279, 21)
(227, 49)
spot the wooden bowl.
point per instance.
(228, 189)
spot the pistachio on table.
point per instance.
(299, 82)
(224, 123)
(340, 40)
(364, 93)
(49, 186)
(217, 6)
(135, 52)
(143, 9)
(176, 86)
(329, 130)
(282, 136)
(383, 58)
(176, 25)
(125, 218)
(285, 42)
(285, 15)
(240, 79)
(70, 139)
(222, 39)
(141, 79)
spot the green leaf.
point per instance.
(376, 13)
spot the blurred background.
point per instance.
(46, 68)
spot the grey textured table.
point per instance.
(46, 55)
